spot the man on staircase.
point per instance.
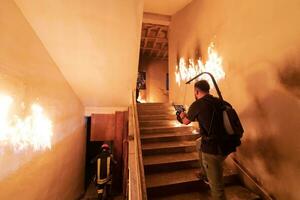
(211, 126)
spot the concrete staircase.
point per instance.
(171, 160)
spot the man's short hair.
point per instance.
(202, 85)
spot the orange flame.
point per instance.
(32, 132)
(142, 100)
(213, 65)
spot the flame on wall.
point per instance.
(185, 72)
(31, 132)
(142, 100)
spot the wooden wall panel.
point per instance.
(118, 147)
(125, 152)
(102, 127)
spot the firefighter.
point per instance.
(103, 176)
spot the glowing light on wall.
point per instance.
(31, 132)
(213, 64)
(140, 99)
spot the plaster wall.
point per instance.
(94, 43)
(29, 75)
(260, 45)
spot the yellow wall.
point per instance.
(28, 75)
(260, 45)
(94, 43)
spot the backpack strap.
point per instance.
(211, 122)
(212, 118)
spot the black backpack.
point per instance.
(229, 136)
(233, 128)
(231, 121)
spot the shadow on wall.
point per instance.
(271, 142)
(290, 78)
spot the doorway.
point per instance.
(153, 80)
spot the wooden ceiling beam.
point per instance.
(151, 33)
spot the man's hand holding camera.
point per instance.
(182, 117)
(178, 113)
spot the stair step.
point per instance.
(182, 176)
(164, 137)
(159, 107)
(157, 112)
(158, 123)
(168, 147)
(240, 193)
(157, 117)
(170, 158)
(162, 145)
(166, 134)
(171, 178)
(153, 104)
(232, 193)
(165, 162)
(164, 129)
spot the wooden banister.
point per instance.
(137, 185)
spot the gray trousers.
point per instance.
(213, 167)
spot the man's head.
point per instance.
(201, 88)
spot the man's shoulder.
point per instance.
(208, 99)
(199, 104)
(213, 99)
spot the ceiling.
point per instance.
(154, 41)
(164, 7)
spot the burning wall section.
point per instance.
(260, 48)
(42, 141)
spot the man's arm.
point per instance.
(184, 118)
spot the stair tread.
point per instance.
(145, 118)
(162, 145)
(233, 192)
(167, 127)
(171, 177)
(178, 176)
(160, 114)
(160, 123)
(170, 158)
(156, 107)
(240, 193)
(162, 135)
(160, 120)
(154, 103)
(156, 112)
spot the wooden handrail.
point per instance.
(137, 185)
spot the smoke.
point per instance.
(289, 76)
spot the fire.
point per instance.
(140, 99)
(31, 132)
(213, 65)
